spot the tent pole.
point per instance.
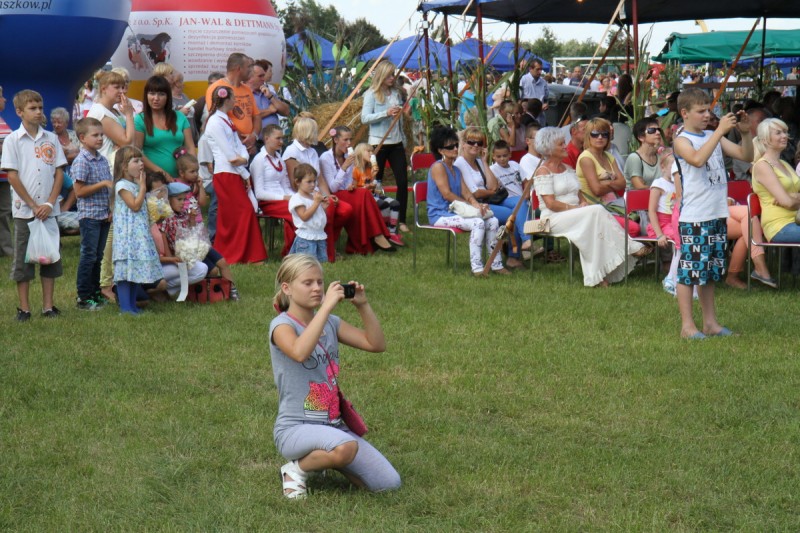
(482, 87)
(451, 98)
(733, 65)
(635, 9)
(761, 65)
(516, 45)
(427, 56)
(628, 49)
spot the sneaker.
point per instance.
(89, 304)
(99, 299)
(669, 287)
(396, 239)
(23, 316)
(53, 312)
(234, 294)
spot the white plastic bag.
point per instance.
(44, 242)
(192, 244)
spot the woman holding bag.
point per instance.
(304, 339)
(446, 185)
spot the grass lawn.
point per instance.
(509, 404)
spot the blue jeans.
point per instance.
(93, 240)
(212, 212)
(318, 249)
(790, 233)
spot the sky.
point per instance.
(400, 16)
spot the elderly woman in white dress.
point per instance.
(598, 237)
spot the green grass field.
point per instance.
(509, 404)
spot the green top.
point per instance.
(162, 144)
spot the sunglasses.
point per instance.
(475, 143)
(651, 130)
(450, 147)
(603, 134)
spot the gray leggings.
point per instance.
(369, 466)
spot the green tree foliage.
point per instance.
(326, 21)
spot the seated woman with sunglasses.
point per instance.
(600, 178)
(446, 185)
(590, 228)
(642, 168)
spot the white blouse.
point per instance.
(336, 178)
(472, 177)
(564, 186)
(301, 154)
(270, 179)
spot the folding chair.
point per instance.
(421, 197)
(754, 210)
(532, 216)
(421, 161)
(638, 200)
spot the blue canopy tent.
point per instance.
(500, 56)
(413, 49)
(298, 43)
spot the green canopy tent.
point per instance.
(724, 45)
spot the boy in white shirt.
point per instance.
(509, 174)
(702, 225)
(308, 217)
(35, 163)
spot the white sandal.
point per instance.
(296, 482)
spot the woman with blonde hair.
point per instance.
(776, 183)
(382, 103)
(602, 182)
(306, 135)
(311, 430)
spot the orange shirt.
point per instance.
(362, 177)
(242, 114)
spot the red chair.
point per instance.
(420, 197)
(516, 155)
(739, 190)
(754, 210)
(638, 200)
(421, 161)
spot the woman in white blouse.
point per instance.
(271, 183)
(599, 238)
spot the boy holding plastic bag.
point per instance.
(35, 163)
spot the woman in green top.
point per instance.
(160, 131)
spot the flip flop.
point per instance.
(769, 282)
(696, 337)
(724, 332)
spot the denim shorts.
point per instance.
(316, 249)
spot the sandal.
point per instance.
(294, 481)
(644, 251)
(555, 257)
(403, 228)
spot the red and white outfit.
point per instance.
(367, 221)
(272, 186)
(238, 237)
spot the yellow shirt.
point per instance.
(598, 169)
(775, 217)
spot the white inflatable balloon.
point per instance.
(197, 37)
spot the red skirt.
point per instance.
(280, 209)
(238, 237)
(366, 222)
(339, 214)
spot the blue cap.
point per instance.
(175, 188)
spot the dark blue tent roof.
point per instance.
(500, 56)
(406, 48)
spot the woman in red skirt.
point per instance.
(366, 229)
(271, 183)
(238, 236)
